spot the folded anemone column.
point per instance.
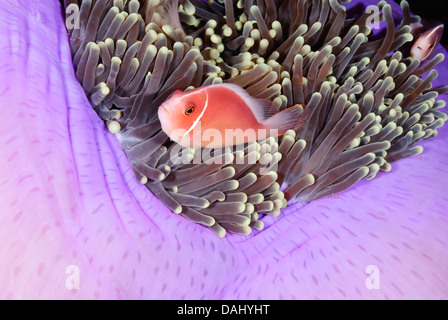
(75, 223)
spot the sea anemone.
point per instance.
(369, 104)
(69, 201)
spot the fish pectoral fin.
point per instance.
(288, 119)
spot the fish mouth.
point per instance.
(163, 110)
(164, 117)
(162, 107)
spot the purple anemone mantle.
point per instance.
(69, 202)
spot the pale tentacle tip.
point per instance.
(113, 126)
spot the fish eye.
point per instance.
(189, 110)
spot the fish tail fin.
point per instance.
(288, 119)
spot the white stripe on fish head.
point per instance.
(195, 123)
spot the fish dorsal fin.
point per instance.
(262, 109)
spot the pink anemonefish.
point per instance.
(222, 115)
(426, 43)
